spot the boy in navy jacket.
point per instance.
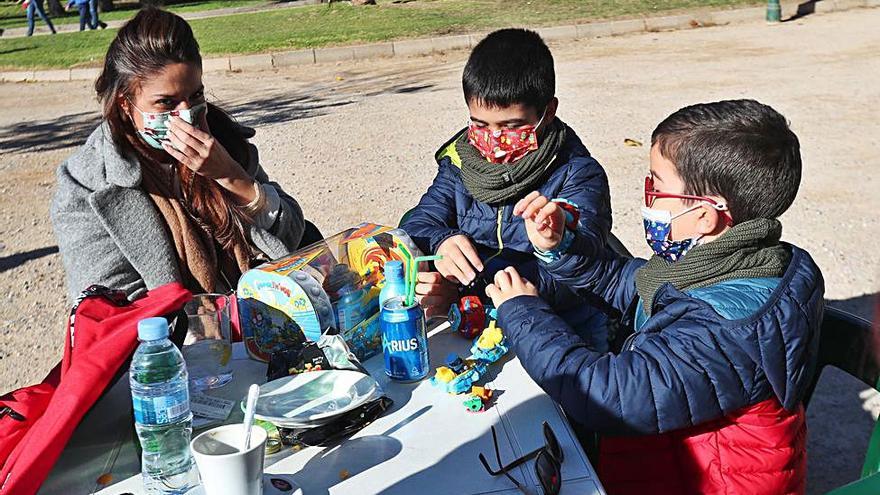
(513, 144)
(725, 317)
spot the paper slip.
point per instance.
(210, 407)
(200, 422)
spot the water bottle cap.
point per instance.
(394, 270)
(152, 329)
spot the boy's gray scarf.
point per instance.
(748, 250)
(494, 183)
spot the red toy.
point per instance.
(468, 317)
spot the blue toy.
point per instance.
(489, 346)
(459, 375)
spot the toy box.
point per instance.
(333, 283)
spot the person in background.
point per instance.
(83, 7)
(36, 6)
(93, 10)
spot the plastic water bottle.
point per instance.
(346, 292)
(162, 416)
(395, 286)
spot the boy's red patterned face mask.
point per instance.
(504, 145)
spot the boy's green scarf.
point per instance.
(748, 250)
(494, 183)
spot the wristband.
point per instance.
(561, 249)
(572, 213)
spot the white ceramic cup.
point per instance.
(223, 465)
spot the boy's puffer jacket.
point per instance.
(708, 389)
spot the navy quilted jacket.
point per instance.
(447, 209)
(687, 364)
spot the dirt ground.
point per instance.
(354, 142)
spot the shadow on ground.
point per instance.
(285, 106)
(18, 259)
(803, 10)
(275, 107)
(47, 135)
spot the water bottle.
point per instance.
(163, 420)
(395, 286)
(346, 292)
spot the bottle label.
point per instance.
(161, 410)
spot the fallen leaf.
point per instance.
(631, 142)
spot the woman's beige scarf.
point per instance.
(204, 265)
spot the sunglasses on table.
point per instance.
(651, 195)
(338, 429)
(548, 462)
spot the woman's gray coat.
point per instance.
(110, 233)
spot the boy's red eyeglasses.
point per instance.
(651, 195)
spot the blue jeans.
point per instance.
(93, 8)
(84, 18)
(37, 6)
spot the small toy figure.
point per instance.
(490, 346)
(478, 400)
(458, 375)
(459, 383)
(454, 363)
(474, 404)
(468, 317)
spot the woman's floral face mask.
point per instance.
(155, 129)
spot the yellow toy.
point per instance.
(491, 337)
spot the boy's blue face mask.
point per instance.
(658, 230)
(155, 129)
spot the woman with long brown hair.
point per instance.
(167, 188)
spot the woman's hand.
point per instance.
(199, 151)
(509, 284)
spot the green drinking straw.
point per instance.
(407, 266)
(414, 274)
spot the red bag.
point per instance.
(37, 421)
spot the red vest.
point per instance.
(760, 449)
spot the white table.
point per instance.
(426, 444)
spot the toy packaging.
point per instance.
(333, 283)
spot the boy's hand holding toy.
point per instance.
(545, 220)
(460, 261)
(435, 293)
(509, 284)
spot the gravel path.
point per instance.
(353, 142)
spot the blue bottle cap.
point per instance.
(394, 270)
(152, 329)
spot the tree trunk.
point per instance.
(105, 5)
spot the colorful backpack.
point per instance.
(36, 422)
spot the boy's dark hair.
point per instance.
(510, 66)
(741, 150)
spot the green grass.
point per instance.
(337, 24)
(12, 16)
